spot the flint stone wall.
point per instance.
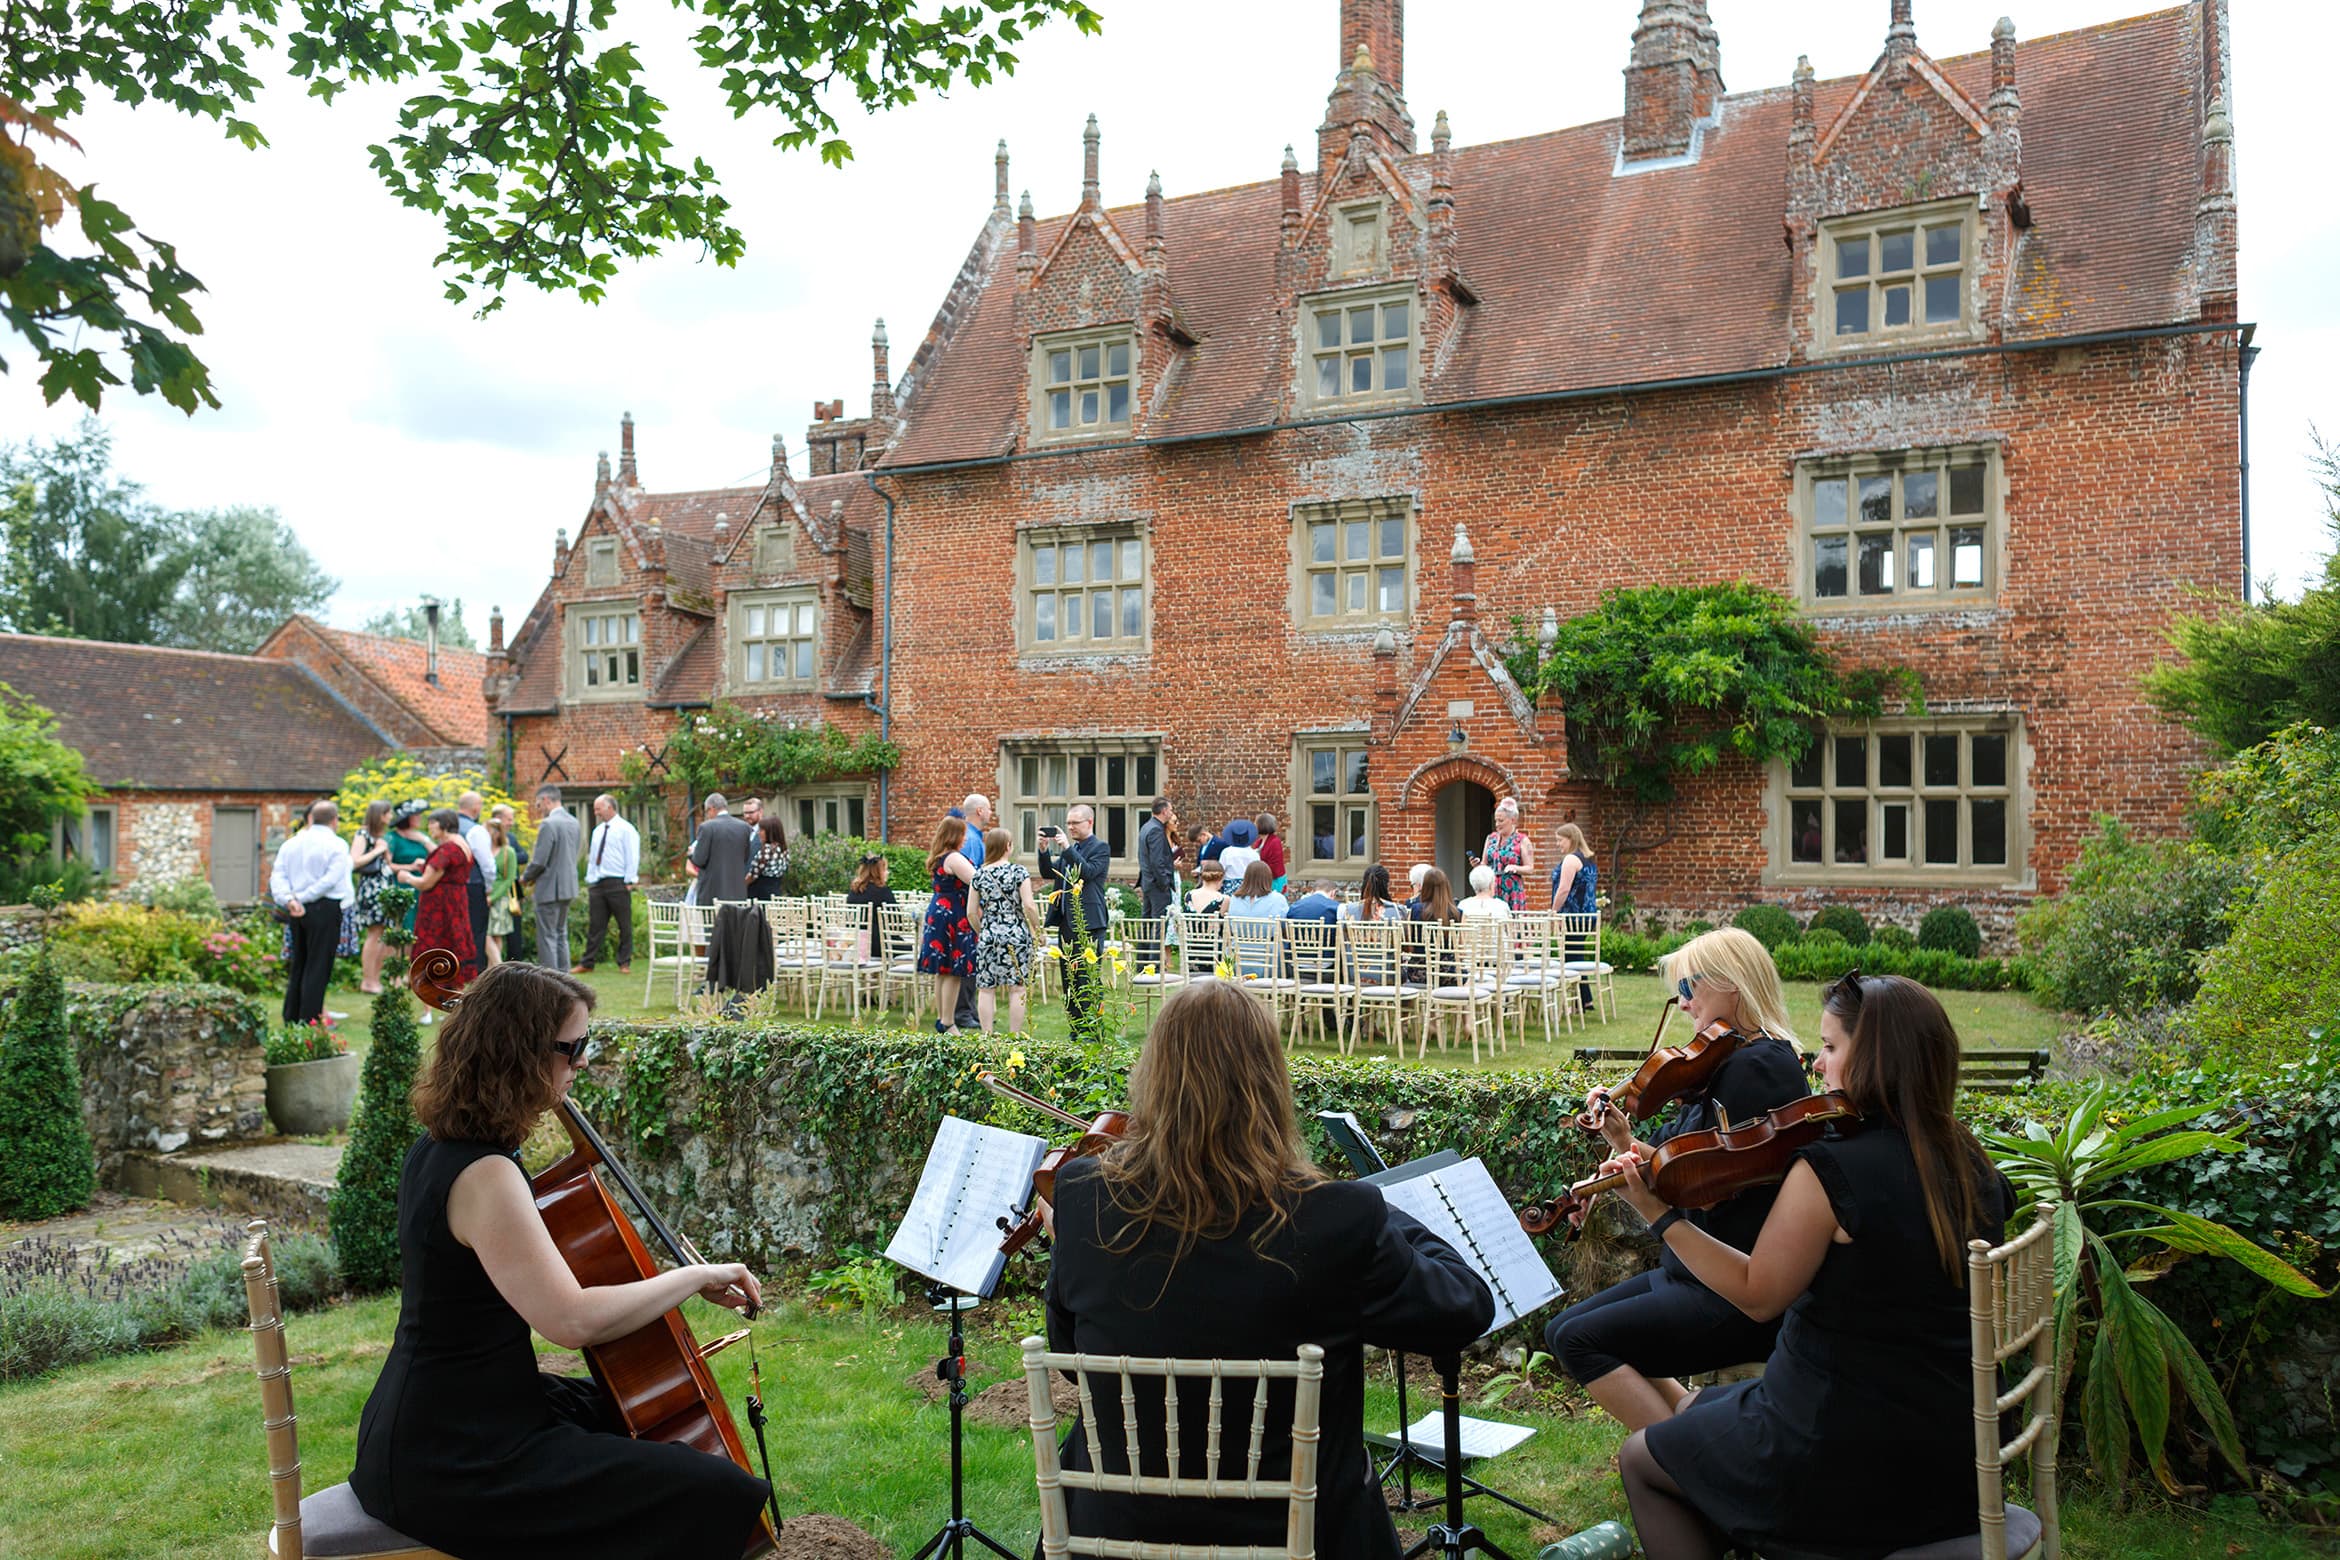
(168, 1067)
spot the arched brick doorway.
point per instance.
(1463, 814)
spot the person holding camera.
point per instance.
(1076, 847)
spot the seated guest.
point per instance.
(1630, 1344)
(1205, 1232)
(1486, 901)
(1857, 1440)
(1433, 902)
(869, 882)
(1414, 876)
(1318, 904)
(463, 1445)
(1256, 899)
(1372, 902)
(1208, 895)
(1242, 842)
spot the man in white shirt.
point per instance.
(483, 862)
(613, 860)
(311, 880)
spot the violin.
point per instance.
(1096, 1136)
(656, 1376)
(1667, 1073)
(1700, 1169)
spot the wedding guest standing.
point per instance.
(310, 879)
(770, 863)
(468, 807)
(442, 915)
(552, 873)
(503, 893)
(721, 853)
(1004, 945)
(1271, 848)
(613, 860)
(408, 845)
(946, 949)
(369, 868)
(1512, 854)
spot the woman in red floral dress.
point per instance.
(442, 913)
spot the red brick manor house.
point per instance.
(1234, 495)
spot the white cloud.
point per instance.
(416, 448)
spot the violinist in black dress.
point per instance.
(1204, 1233)
(1858, 1440)
(464, 1445)
(1630, 1344)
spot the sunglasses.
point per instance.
(1845, 990)
(575, 1050)
(1684, 987)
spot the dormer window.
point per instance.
(1887, 277)
(1358, 348)
(1081, 384)
(1357, 239)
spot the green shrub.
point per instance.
(1900, 939)
(1769, 925)
(47, 1328)
(364, 1211)
(2279, 970)
(185, 896)
(240, 960)
(1843, 920)
(72, 879)
(1821, 955)
(2270, 798)
(2128, 933)
(825, 863)
(1696, 928)
(48, 1165)
(1952, 930)
(1637, 954)
(129, 943)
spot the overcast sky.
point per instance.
(414, 448)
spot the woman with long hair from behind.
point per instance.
(463, 1445)
(1205, 1232)
(1858, 1439)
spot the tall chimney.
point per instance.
(1673, 81)
(881, 386)
(626, 472)
(430, 606)
(495, 631)
(1370, 88)
(1090, 200)
(999, 179)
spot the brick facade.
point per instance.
(1620, 366)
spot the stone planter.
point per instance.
(308, 1097)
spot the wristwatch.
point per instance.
(1664, 1222)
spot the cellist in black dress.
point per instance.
(1630, 1344)
(464, 1445)
(1858, 1439)
(1205, 1232)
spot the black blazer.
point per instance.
(722, 852)
(1348, 1270)
(1095, 859)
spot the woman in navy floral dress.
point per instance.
(946, 948)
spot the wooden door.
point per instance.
(235, 854)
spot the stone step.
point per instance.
(282, 1180)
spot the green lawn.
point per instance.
(163, 1453)
(1987, 1020)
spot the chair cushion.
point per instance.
(2022, 1537)
(334, 1524)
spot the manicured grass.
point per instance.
(1987, 1020)
(163, 1453)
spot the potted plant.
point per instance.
(312, 1079)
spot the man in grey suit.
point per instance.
(552, 870)
(722, 852)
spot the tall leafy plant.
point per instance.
(47, 1166)
(364, 1212)
(2140, 1368)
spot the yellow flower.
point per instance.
(1088, 955)
(1149, 970)
(1223, 970)
(1015, 1061)
(1055, 952)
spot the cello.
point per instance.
(656, 1377)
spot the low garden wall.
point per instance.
(167, 1067)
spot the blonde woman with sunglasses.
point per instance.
(1630, 1344)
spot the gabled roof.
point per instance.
(1585, 278)
(145, 718)
(453, 708)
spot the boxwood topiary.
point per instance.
(1898, 938)
(49, 1166)
(1770, 925)
(364, 1212)
(1843, 920)
(1950, 929)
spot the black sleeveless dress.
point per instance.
(1859, 1438)
(467, 1447)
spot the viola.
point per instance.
(656, 1376)
(1096, 1135)
(1700, 1169)
(1668, 1072)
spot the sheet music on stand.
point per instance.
(1460, 1203)
(974, 1176)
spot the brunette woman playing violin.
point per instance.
(1205, 1232)
(1630, 1344)
(1858, 1439)
(464, 1446)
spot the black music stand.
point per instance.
(952, 1368)
(1348, 1135)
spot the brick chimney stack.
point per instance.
(1901, 36)
(1673, 81)
(626, 471)
(999, 179)
(495, 631)
(561, 540)
(881, 386)
(601, 473)
(2006, 114)
(2214, 217)
(1090, 199)
(1291, 197)
(1371, 87)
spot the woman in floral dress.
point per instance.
(369, 866)
(1003, 949)
(946, 947)
(442, 916)
(1512, 854)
